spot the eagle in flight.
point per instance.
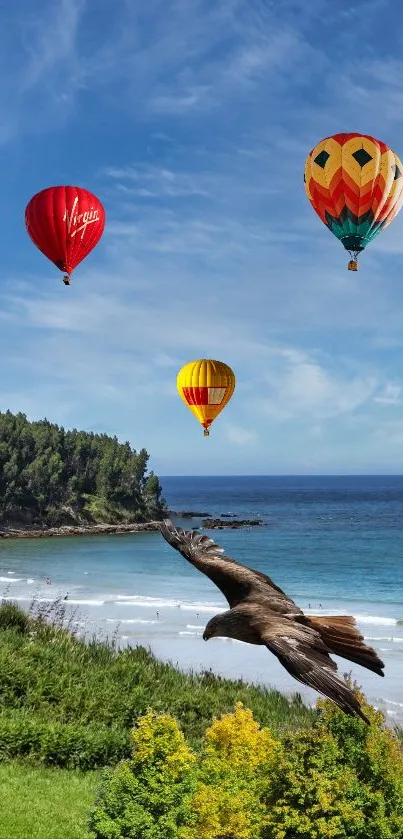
(261, 613)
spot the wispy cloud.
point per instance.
(391, 394)
(97, 342)
(257, 236)
(50, 42)
(241, 436)
(147, 181)
(191, 121)
(48, 70)
(299, 387)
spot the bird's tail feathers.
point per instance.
(340, 635)
(319, 674)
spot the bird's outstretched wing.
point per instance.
(235, 581)
(302, 652)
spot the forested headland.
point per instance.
(53, 477)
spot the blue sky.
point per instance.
(191, 121)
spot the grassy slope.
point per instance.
(49, 679)
(49, 675)
(43, 803)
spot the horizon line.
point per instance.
(296, 475)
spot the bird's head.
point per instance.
(226, 625)
(215, 628)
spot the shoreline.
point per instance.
(209, 523)
(79, 530)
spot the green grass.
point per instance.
(73, 703)
(66, 702)
(44, 803)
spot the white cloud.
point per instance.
(316, 431)
(178, 103)
(168, 58)
(271, 51)
(391, 394)
(176, 58)
(211, 247)
(240, 436)
(97, 344)
(147, 181)
(388, 435)
(300, 388)
(48, 71)
(51, 44)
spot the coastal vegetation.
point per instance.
(144, 750)
(339, 779)
(52, 477)
(41, 802)
(72, 702)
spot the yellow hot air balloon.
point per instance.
(206, 386)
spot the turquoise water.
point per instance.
(334, 544)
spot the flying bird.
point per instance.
(261, 613)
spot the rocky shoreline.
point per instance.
(188, 514)
(8, 532)
(79, 530)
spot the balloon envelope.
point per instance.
(355, 185)
(65, 223)
(206, 386)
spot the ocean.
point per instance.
(334, 544)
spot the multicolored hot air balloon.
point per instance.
(65, 223)
(355, 185)
(206, 386)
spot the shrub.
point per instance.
(12, 617)
(341, 779)
(26, 734)
(237, 757)
(149, 795)
(64, 679)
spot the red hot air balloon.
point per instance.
(65, 223)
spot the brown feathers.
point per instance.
(261, 613)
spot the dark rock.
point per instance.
(188, 514)
(210, 676)
(86, 530)
(220, 524)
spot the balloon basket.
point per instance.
(353, 265)
(66, 279)
(206, 432)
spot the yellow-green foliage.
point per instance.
(237, 757)
(238, 741)
(148, 796)
(340, 780)
(374, 752)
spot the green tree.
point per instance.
(340, 779)
(44, 468)
(148, 796)
(154, 502)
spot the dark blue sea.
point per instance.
(334, 544)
